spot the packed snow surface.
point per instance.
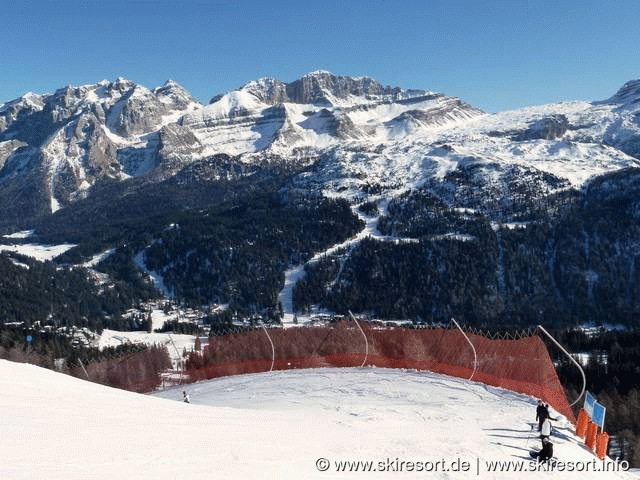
(273, 425)
(176, 343)
(39, 252)
(22, 234)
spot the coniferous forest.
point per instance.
(613, 376)
(566, 258)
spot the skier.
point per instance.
(545, 453)
(540, 413)
(185, 396)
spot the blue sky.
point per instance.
(496, 55)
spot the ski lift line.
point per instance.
(273, 349)
(475, 354)
(366, 341)
(584, 378)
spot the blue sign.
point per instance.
(589, 402)
(29, 338)
(598, 415)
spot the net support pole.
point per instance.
(366, 341)
(584, 378)
(83, 369)
(273, 350)
(475, 354)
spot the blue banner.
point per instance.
(589, 401)
(598, 415)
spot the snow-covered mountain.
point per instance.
(55, 147)
(118, 163)
(275, 425)
(318, 111)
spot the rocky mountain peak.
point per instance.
(120, 81)
(322, 88)
(318, 87)
(268, 90)
(629, 93)
(169, 83)
(175, 93)
(168, 87)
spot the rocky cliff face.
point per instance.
(324, 88)
(140, 110)
(319, 88)
(65, 142)
(628, 95)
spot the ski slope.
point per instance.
(42, 253)
(265, 426)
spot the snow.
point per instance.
(573, 157)
(55, 205)
(317, 72)
(265, 426)
(120, 141)
(459, 237)
(20, 235)
(510, 225)
(155, 277)
(232, 104)
(19, 264)
(39, 252)
(97, 258)
(32, 100)
(176, 343)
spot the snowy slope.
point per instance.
(39, 252)
(263, 426)
(175, 343)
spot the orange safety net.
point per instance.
(521, 365)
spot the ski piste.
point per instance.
(379, 413)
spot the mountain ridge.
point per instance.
(68, 140)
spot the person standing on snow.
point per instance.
(185, 396)
(542, 412)
(545, 430)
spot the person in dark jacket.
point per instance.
(545, 454)
(542, 412)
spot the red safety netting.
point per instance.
(522, 365)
